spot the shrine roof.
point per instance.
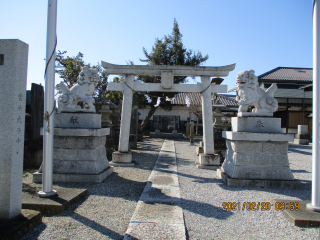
(195, 99)
(287, 74)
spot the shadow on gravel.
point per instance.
(35, 232)
(96, 226)
(299, 149)
(300, 171)
(203, 209)
(304, 193)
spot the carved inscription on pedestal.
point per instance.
(259, 124)
(74, 120)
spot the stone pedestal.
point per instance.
(256, 150)
(211, 161)
(122, 159)
(303, 137)
(79, 154)
(199, 149)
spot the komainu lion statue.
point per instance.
(82, 91)
(251, 94)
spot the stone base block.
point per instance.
(257, 172)
(256, 124)
(303, 217)
(79, 142)
(199, 150)
(209, 160)
(262, 137)
(77, 120)
(301, 141)
(122, 164)
(231, 182)
(68, 177)
(85, 154)
(122, 157)
(80, 166)
(207, 167)
(302, 136)
(54, 205)
(16, 228)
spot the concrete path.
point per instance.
(158, 214)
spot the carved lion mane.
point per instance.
(82, 91)
(251, 94)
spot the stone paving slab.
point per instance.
(155, 231)
(54, 205)
(298, 214)
(165, 213)
(158, 214)
(15, 228)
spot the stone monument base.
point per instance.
(260, 156)
(69, 177)
(302, 139)
(233, 182)
(17, 227)
(199, 150)
(208, 160)
(79, 155)
(122, 159)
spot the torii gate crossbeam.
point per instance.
(167, 85)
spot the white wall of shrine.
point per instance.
(181, 111)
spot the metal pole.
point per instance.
(49, 102)
(315, 197)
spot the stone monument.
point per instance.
(257, 151)
(13, 78)
(303, 136)
(79, 152)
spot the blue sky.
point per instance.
(254, 34)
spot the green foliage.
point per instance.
(69, 68)
(166, 51)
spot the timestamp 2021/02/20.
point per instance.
(259, 206)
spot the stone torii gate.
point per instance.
(167, 72)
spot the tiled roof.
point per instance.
(180, 98)
(224, 100)
(195, 99)
(287, 74)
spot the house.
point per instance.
(295, 104)
(175, 119)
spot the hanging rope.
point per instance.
(46, 115)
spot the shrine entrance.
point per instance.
(166, 123)
(167, 72)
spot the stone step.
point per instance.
(158, 214)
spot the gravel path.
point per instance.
(202, 195)
(106, 210)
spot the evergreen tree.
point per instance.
(166, 51)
